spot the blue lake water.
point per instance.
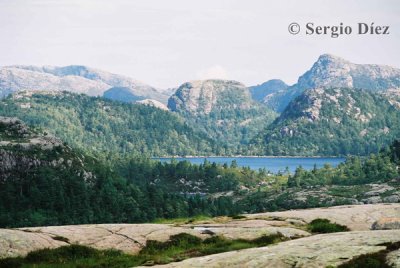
(273, 164)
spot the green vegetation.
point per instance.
(354, 171)
(179, 247)
(47, 195)
(195, 219)
(232, 130)
(326, 186)
(73, 256)
(372, 260)
(224, 111)
(67, 186)
(103, 126)
(325, 226)
(98, 125)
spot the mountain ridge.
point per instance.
(341, 121)
(332, 71)
(74, 78)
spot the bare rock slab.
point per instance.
(355, 217)
(313, 251)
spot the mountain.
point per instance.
(206, 96)
(261, 92)
(223, 110)
(123, 94)
(331, 71)
(332, 121)
(96, 124)
(74, 78)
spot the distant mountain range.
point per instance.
(336, 107)
(74, 78)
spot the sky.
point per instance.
(166, 43)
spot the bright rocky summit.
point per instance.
(332, 71)
(224, 110)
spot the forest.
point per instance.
(137, 189)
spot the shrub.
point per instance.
(372, 260)
(325, 226)
(237, 217)
(61, 238)
(62, 253)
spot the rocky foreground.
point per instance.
(314, 251)
(306, 250)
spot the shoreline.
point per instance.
(243, 156)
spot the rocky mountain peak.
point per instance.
(333, 71)
(327, 71)
(202, 96)
(330, 71)
(330, 58)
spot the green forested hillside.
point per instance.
(98, 125)
(232, 129)
(331, 122)
(45, 182)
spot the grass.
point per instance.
(194, 219)
(325, 226)
(179, 247)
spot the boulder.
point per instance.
(372, 200)
(391, 199)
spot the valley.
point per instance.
(191, 134)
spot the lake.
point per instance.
(273, 164)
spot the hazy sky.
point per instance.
(165, 43)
